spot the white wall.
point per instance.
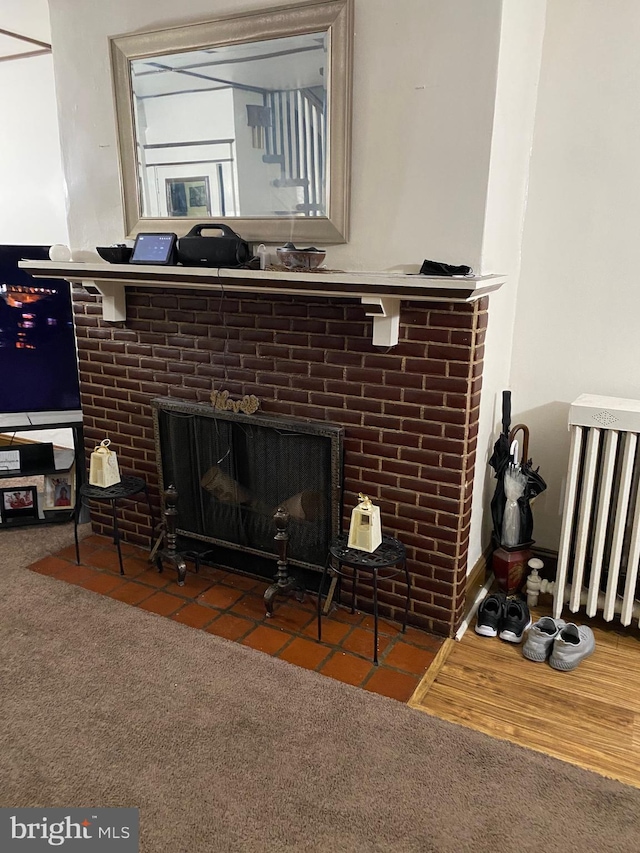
(255, 193)
(577, 324)
(521, 40)
(31, 181)
(423, 107)
(189, 117)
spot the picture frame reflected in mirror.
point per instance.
(189, 197)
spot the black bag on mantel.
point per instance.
(438, 268)
(227, 250)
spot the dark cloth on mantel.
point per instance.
(437, 268)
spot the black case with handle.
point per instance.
(226, 250)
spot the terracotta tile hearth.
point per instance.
(231, 606)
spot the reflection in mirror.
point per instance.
(237, 130)
(244, 120)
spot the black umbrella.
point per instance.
(534, 485)
(499, 462)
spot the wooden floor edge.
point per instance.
(623, 778)
(431, 674)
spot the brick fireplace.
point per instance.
(410, 413)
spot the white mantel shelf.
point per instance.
(380, 293)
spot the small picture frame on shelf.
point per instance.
(19, 502)
(59, 491)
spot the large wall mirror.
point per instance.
(243, 121)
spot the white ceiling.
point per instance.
(26, 18)
(287, 63)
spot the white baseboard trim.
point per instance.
(482, 593)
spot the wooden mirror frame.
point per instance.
(332, 16)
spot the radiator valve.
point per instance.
(534, 581)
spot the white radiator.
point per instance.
(600, 540)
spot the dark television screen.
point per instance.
(38, 359)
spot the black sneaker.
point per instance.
(515, 622)
(490, 614)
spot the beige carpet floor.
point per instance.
(224, 749)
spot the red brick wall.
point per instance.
(410, 414)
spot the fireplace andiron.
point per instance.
(284, 582)
(169, 552)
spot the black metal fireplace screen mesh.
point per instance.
(233, 471)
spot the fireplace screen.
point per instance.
(233, 471)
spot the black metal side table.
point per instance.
(128, 487)
(390, 554)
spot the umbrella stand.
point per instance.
(509, 566)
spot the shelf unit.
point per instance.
(380, 293)
(65, 460)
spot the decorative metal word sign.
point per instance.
(249, 404)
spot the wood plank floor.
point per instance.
(589, 717)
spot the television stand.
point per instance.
(44, 488)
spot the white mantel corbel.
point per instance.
(380, 293)
(385, 311)
(114, 299)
